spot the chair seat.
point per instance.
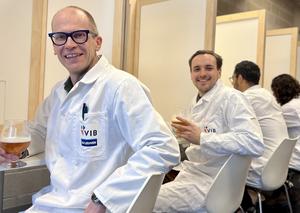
(275, 172)
(227, 189)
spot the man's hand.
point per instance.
(95, 208)
(187, 130)
(5, 157)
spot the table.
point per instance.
(32, 161)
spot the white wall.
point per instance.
(15, 55)
(103, 13)
(231, 45)
(238, 38)
(281, 54)
(170, 32)
(15, 30)
(278, 57)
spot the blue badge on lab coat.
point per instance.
(89, 135)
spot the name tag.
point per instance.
(89, 134)
(88, 142)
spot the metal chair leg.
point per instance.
(288, 197)
(241, 209)
(259, 202)
(1, 190)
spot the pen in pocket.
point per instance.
(84, 110)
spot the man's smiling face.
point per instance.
(76, 58)
(204, 72)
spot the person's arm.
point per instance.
(155, 148)
(38, 128)
(290, 114)
(244, 134)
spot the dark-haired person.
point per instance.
(101, 135)
(286, 89)
(246, 78)
(222, 124)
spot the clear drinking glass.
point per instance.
(186, 114)
(14, 139)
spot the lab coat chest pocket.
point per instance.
(93, 136)
(212, 123)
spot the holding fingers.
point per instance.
(187, 130)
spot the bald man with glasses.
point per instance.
(98, 127)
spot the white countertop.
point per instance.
(32, 161)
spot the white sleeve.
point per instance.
(38, 128)
(291, 116)
(244, 136)
(155, 148)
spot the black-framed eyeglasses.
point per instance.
(78, 36)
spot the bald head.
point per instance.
(73, 13)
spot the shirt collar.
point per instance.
(96, 71)
(92, 75)
(257, 86)
(68, 85)
(210, 94)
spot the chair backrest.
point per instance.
(226, 192)
(275, 171)
(144, 201)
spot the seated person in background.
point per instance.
(100, 131)
(269, 114)
(286, 89)
(222, 123)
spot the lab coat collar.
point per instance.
(257, 86)
(96, 72)
(208, 96)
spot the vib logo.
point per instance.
(88, 132)
(209, 130)
(88, 136)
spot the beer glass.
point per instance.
(14, 139)
(184, 113)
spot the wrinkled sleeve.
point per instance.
(244, 135)
(155, 148)
(38, 128)
(291, 116)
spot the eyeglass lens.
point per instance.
(60, 38)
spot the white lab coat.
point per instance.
(273, 126)
(228, 125)
(291, 113)
(110, 152)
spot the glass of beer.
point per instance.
(15, 139)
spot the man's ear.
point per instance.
(98, 42)
(54, 52)
(239, 77)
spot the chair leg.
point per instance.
(241, 209)
(288, 197)
(259, 202)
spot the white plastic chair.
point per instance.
(227, 190)
(275, 172)
(144, 201)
